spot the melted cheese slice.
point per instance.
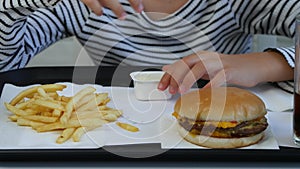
(175, 114)
(222, 124)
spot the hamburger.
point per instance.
(221, 117)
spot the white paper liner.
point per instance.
(153, 118)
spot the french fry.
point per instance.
(44, 119)
(102, 107)
(49, 127)
(31, 111)
(70, 105)
(13, 118)
(16, 111)
(46, 114)
(128, 127)
(92, 103)
(79, 132)
(48, 88)
(86, 115)
(53, 95)
(24, 104)
(110, 117)
(25, 122)
(22, 101)
(85, 100)
(56, 113)
(32, 95)
(74, 123)
(85, 122)
(64, 98)
(49, 104)
(116, 112)
(65, 135)
(43, 93)
(105, 101)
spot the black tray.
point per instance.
(119, 76)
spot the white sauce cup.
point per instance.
(145, 85)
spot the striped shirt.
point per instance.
(29, 26)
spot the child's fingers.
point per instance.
(94, 5)
(137, 5)
(97, 6)
(115, 6)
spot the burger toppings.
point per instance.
(232, 129)
(223, 124)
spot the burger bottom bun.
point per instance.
(222, 143)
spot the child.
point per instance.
(196, 38)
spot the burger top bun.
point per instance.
(220, 104)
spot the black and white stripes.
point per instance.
(29, 26)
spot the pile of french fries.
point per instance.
(43, 109)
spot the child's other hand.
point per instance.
(97, 5)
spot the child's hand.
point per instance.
(244, 70)
(97, 5)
